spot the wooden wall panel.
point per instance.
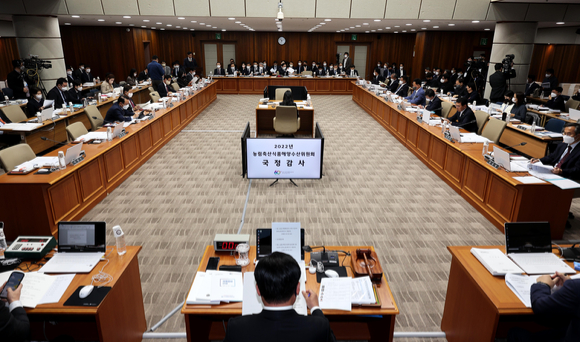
(562, 58)
(9, 52)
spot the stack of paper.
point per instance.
(544, 172)
(21, 126)
(521, 285)
(92, 136)
(200, 287)
(335, 294)
(38, 288)
(213, 287)
(496, 262)
(473, 138)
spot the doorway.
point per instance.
(218, 52)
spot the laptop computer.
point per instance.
(529, 245)
(73, 153)
(81, 245)
(502, 158)
(574, 114)
(264, 243)
(48, 114)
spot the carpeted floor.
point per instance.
(374, 192)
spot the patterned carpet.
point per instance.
(374, 192)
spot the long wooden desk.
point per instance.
(204, 322)
(479, 306)
(57, 130)
(119, 317)
(256, 85)
(34, 204)
(494, 193)
(265, 122)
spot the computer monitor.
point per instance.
(527, 237)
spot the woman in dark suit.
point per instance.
(35, 104)
(288, 100)
(519, 109)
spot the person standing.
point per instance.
(156, 72)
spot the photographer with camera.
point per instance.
(16, 80)
(503, 72)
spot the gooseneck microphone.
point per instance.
(520, 144)
(58, 142)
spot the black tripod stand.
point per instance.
(291, 181)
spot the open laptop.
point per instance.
(502, 158)
(48, 114)
(81, 245)
(73, 153)
(529, 245)
(574, 114)
(264, 243)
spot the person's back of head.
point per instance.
(277, 277)
(288, 99)
(498, 66)
(154, 58)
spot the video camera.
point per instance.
(507, 63)
(34, 63)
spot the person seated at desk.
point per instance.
(177, 72)
(318, 71)
(232, 69)
(445, 85)
(459, 90)
(417, 97)
(133, 108)
(550, 81)
(563, 305)
(353, 72)
(165, 89)
(255, 69)
(69, 75)
(185, 79)
(119, 111)
(14, 323)
(218, 71)
(334, 70)
(393, 83)
(377, 78)
(288, 100)
(464, 117)
(74, 94)
(403, 88)
(36, 102)
(472, 95)
(531, 85)
(132, 78)
(556, 100)
(274, 70)
(434, 102)
(291, 69)
(283, 70)
(278, 284)
(57, 93)
(243, 70)
(86, 76)
(566, 157)
(576, 96)
(519, 108)
(430, 81)
(109, 84)
(143, 75)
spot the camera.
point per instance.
(34, 63)
(507, 63)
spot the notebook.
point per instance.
(81, 245)
(529, 245)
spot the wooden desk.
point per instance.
(204, 322)
(265, 121)
(494, 193)
(537, 100)
(119, 317)
(256, 85)
(479, 306)
(69, 194)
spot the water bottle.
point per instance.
(39, 117)
(3, 244)
(120, 237)
(70, 106)
(61, 160)
(6, 99)
(533, 129)
(109, 134)
(485, 150)
(442, 126)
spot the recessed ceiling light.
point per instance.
(423, 28)
(202, 23)
(143, 26)
(352, 27)
(404, 31)
(127, 16)
(346, 29)
(367, 31)
(146, 20)
(357, 25)
(450, 24)
(177, 26)
(214, 27)
(223, 30)
(194, 21)
(373, 30)
(475, 21)
(181, 18)
(365, 24)
(169, 25)
(327, 19)
(560, 23)
(486, 29)
(67, 23)
(388, 27)
(397, 26)
(435, 26)
(231, 18)
(153, 27)
(192, 29)
(413, 30)
(322, 24)
(408, 24)
(377, 20)
(159, 23)
(162, 29)
(75, 16)
(208, 25)
(101, 20)
(426, 21)
(337, 31)
(238, 22)
(185, 28)
(342, 30)
(131, 24)
(380, 29)
(396, 31)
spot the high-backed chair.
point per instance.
(494, 129)
(555, 125)
(530, 116)
(175, 86)
(75, 130)
(151, 89)
(306, 73)
(95, 117)
(15, 155)
(446, 108)
(286, 120)
(14, 113)
(571, 104)
(280, 93)
(154, 97)
(481, 118)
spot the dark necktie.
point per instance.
(559, 165)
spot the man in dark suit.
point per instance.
(69, 75)
(352, 72)
(377, 77)
(346, 62)
(497, 81)
(74, 94)
(16, 80)
(556, 100)
(231, 70)
(119, 111)
(14, 324)
(143, 75)
(177, 71)
(325, 69)
(189, 61)
(57, 94)
(278, 284)
(86, 76)
(566, 157)
(434, 104)
(550, 81)
(394, 83)
(164, 89)
(403, 88)
(219, 70)
(460, 90)
(562, 306)
(77, 74)
(445, 85)
(464, 117)
(531, 85)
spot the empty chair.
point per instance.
(446, 108)
(154, 97)
(14, 113)
(306, 73)
(15, 155)
(571, 104)
(122, 83)
(175, 86)
(530, 117)
(280, 93)
(286, 120)
(555, 125)
(151, 89)
(95, 117)
(75, 130)
(494, 129)
(481, 118)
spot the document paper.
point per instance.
(58, 288)
(335, 293)
(496, 262)
(286, 239)
(200, 290)
(521, 286)
(226, 286)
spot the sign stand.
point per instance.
(291, 181)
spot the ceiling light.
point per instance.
(153, 28)
(365, 24)
(380, 29)
(185, 28)
(560, 23)
(192, 29)
(146, 20)
(352, 27)
(373, 30)
(397, 26)
(131, 24)
(337, 31)
(322, 24)
(366, 31)
(143, 26)
(231, 18)
(342, 30)
(475, 21)
(450, 24)
(159, 23)
(162, 29)
(327, 19)
(202, 23)
(67, 23)
(404, 31)
(169, 25)
(435, 26)
(177, 26)
(396, 31)
(238, 22)
(377, 20)
(75, 16)
(194, 21)
(423, 28)
(223, 30)
(180, 18)
(101, 20)
(357, 25)
(413, 30)
(408, 24)
(214, 27)
(208, 25)
(486, 29)
(388, 27)
(426, 21)
(127, 16)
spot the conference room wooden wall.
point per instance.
(562, 58)
(9, 52)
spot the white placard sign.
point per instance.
(284, 158)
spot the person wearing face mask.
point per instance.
(433, 102)
(177, 72)
(132, 78)
(291, 69)
(459, 90)
(133, 108)
(69, 74)
(74, 94)
(283, 70)
(262, 69)
(531, 85)
(334, 70)
(189, 61)
(498, 82)
(218, 71)
(385, 72)
(550, 82)
(393, 83)
(417, 97)
(165, 89)
(454, 75)
(377, 77)
(556, 101)
(243, 70)
(78, 74)
(519, 109)
(118, 110)
(402, 71)
(566, 157)
(325, 69)
(314, 68)
(472, 95)
(156, 72)
(109, 84)
(274, 70)
(232, 69)
(57, 94)
(353, 72)
(341, 69)
(86, 76)
(256, 68)
(430, 81)
(265, 66)
(436, 74)
(303, 67)
(346, 61)
(166, 68)
(403, 88)
(445, 86)
(16, 80)
(35, 104)
(187, 79)
(143, 75)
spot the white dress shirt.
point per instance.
(284, 308)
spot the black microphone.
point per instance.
(309, 249)
(94, 117)
(58, 142)
(520, 144)
(465, 123)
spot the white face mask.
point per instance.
(69, 72)
(299, 64)
(379, 65)
(443, 81)
(548, 75)
(163, 65)
(168, 82)
(80, 88)
(88, 70)
(255, 65)
(401, 68)
(554, 95)
(135, 75)
(218, 66)
(38, 97)
(345, 56)
(126, 106)
(291, 65)
(313, 64)
(386, 66)
(82, 68)
(568, 140)
(436, 73)
(130, 95)
(248, 67)
(513, 99)
(324, 64)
